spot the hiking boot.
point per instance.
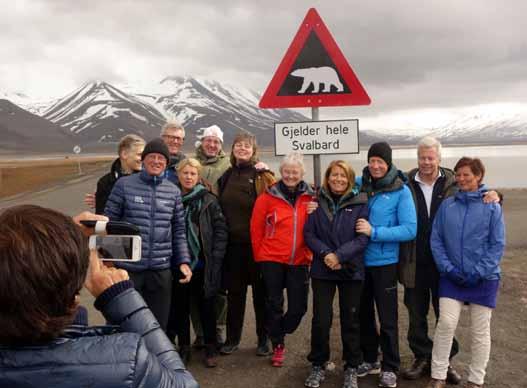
(228, 349)
(263, 348)
(369, 368)
(199, 342)
(350, 378)
(470, 384)
(278, 355)
(452, 376)
(316, 376)
(210, 360)
(420, 368)
(388, 379)
(435, 383)
(184, 354)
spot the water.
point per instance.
(506, 166)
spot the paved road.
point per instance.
(243, 369)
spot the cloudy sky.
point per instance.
(413, 57)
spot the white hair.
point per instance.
(429, 142)
(172, 124)
(294, 158)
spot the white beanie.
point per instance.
(213, 131)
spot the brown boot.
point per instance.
(435, 383)
(472, 385)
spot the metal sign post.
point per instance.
(77, 151)
(316, 157)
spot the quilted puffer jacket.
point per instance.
(154, 205)
(135, 353)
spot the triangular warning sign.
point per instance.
(314, 72)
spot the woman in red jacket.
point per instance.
(277, 225)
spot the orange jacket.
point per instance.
(277, 227)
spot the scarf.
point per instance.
(392, 181)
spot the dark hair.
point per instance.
(43, 263)
(475, 165)
(250, 138)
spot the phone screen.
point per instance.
(114, 247)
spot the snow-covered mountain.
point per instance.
(35, 106)
(99, 113)
(198, 103)
(24, 131)
(491, 125)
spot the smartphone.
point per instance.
(116, 247)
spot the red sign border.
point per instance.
(313, 22)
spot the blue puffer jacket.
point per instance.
(154, 205)
(329, 229)
(392, 217)
(136, 354)
(469, 235)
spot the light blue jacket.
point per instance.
(393, 219)
(469, 235)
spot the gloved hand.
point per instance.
(472, 280)
(456, 276)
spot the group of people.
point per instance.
(213, 225)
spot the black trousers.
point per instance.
(295, 279)
(179, 324)
(380, 290)
(349, 304)
(156, 289)
(417, 300)
(240, 271)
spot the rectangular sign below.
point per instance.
(317, 137)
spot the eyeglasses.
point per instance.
(179, 139)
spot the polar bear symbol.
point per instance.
(316, 76)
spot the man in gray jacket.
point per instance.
(151, 202)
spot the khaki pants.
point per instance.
(450, 309)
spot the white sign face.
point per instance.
(317, 137)
(77, 149)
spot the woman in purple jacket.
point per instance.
(338, 263)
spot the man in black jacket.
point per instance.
(129, 161)
(429, 184)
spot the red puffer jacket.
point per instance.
(277, 227)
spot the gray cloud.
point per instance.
(408, 54)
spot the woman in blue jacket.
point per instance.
(467, 241)
(392, 219)
(338, 263)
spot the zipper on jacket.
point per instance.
(152, 213)
(462, 238)
(295, 220)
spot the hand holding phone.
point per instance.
(114, 240)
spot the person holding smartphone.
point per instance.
(43, 342)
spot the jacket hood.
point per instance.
(470, 196)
